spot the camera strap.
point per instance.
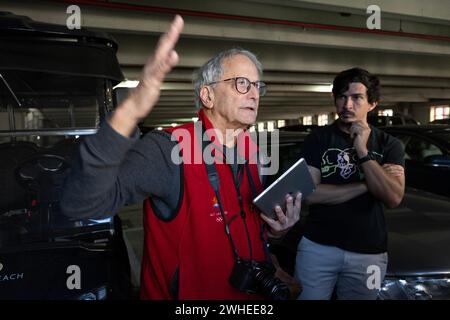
(213, 177)
(261, 231)
(214, 181)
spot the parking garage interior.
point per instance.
(302, 45)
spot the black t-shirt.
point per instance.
(357, 225)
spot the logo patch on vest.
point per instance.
(216, 210)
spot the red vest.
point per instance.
(195, 242)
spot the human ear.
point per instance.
(207, 97)
(373, 106)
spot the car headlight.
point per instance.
(415, 289)
(95, 294)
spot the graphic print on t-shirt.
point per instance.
(343, 163)
(337, 161)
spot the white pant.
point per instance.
(320, 268)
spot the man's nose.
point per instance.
(348, 103)
(253, 93)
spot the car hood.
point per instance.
(419, 235)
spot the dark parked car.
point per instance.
(418, 238)
(427, 156)
(299, 127)
(441, 121)
(55, 87)
(418, 235)
(395, 120)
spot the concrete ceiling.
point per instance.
(302, 45)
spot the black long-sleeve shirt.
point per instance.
(112, 171)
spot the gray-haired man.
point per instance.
(198, 229)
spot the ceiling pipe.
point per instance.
(220, 16)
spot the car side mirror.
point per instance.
(119, 95)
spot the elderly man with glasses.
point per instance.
(203, 238)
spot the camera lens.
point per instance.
(271, 286)
(258, 277)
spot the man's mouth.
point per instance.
(250, 108)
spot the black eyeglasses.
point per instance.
(243, 84)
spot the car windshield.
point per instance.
(48, 102)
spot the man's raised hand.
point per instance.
(159, 65)
(143, 98)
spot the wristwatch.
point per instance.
(365, 158)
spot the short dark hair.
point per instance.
(343, 80)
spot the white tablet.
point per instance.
(296, 179)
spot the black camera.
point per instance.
(258, 277)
